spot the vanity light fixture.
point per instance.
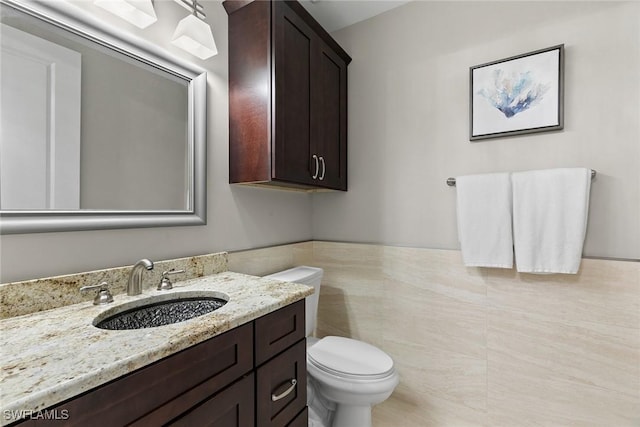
(138, 12)
(193, 34)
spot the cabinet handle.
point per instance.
(315, 175)
(276, 397)
(323, 168)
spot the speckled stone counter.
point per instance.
(50, 356)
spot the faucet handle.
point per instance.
(165, 283)
(103, 296)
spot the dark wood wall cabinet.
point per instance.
(287, 98)
(253, 375)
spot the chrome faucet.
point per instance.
(134, 286)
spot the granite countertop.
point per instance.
(51, 356)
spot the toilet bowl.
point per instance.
(346, 377)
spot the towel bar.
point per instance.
(451, 182)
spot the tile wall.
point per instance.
(481, 346)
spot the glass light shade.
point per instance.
(138, 12)
(194, 36)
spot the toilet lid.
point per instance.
(349, 357)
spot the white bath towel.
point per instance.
(550, 209)
(484, 220)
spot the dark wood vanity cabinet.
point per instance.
(237, 379)
(287, 98)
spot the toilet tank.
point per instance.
(310, 276)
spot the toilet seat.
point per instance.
(350, 359)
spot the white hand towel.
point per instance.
(550, 209)
(484, 220)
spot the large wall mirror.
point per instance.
(98, 129)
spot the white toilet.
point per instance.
(346, 376)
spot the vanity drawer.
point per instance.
(279, 330)
(167, 388)
(278, 398)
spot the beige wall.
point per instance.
(481, 346)
(408, 117)
(408, 133)
(238, 217)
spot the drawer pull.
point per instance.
(275, 398)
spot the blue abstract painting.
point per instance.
(514, 93)
(517, 95)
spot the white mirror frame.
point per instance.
(70, 18)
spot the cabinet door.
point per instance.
(163, 390)
(281, 387)
(292, 47)
(329, 116)
(232, 407)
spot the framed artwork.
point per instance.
(517, 95)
